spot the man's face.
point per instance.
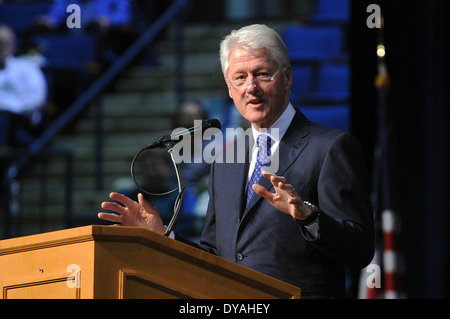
(259, 102)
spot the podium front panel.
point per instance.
(124, 262)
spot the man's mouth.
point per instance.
(255, 102)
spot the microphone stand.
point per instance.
(180, 198)
(181, 186)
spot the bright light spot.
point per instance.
(381, 52)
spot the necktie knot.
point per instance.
(264, 140)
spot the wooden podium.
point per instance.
(124, 262)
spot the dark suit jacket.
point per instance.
(326, 167)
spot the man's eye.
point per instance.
(263, 75)
(239, 78)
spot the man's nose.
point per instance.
(253, 86)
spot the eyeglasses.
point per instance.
(240, 80)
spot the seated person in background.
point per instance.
(23, 92)
(195, 174)
(153, 172)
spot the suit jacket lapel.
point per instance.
(236, 177)
(293, 142)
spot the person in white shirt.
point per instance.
(23, 89)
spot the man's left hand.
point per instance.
(285, 198)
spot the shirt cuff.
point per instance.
(313, 230)
(171, 235)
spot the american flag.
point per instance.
(383, 277)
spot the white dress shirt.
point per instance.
(276, 133)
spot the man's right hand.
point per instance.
(132, 213)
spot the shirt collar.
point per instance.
(281, 124)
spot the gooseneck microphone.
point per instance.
(168, 141)
(172, 139)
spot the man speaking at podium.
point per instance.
(302, 224)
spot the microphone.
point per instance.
(172, 139)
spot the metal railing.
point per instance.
(13, 202)
(176, 12)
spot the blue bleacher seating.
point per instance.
(333, 85)
(20, 16)
(337, 116)
(65, 51)
(331, 11)
(302, 77)
(73, 54)
(307, 44)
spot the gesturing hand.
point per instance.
(132, 213)
(285, 198)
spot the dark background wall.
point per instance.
(417, 37)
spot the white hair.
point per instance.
(253, 38)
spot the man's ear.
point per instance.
(229, 87)
(288, 75)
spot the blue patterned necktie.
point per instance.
(262, 160)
